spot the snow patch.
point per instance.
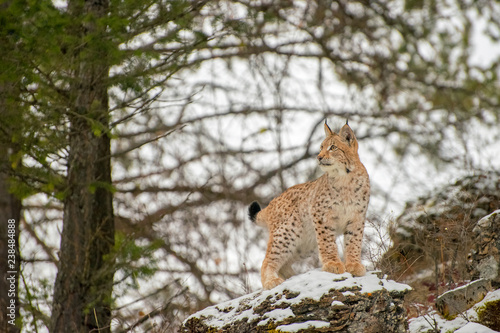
(403, 232)
(432, 321)
(475, 328)
(277, 314)
(302, 326)
(348, 293)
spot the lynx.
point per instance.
(308, 217)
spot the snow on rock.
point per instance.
(297, 327)
(475, 328)
(312, 302)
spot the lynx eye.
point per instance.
(332, 147)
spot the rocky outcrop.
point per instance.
(437, 229)
(312, 302)
(486, 252)
(461, 299)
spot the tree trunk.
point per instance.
(82, 295)
(84, 283)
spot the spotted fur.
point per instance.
(308, 217)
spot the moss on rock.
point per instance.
(489, 314)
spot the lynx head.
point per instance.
(339, 152)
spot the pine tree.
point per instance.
(86, 65)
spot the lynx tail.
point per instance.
(253, 210)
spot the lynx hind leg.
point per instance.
(271, 279)
(279, 257)
(269, 271)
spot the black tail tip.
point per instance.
(253, 210)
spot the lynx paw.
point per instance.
(271, 283)
(334, 267)
(355, 268)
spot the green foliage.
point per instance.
(414, 4)
(35, 295)
(135, 259)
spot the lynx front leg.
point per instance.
(327, 246)
(353, 238)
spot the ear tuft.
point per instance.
(348, 136)
(328, 130)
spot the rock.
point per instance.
(486, 252)
(458, 300)
(312, 302)
(483, 317)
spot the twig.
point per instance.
(154, 313)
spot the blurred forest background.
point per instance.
(134, 133)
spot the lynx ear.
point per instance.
(348, 137)
(328, 131)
